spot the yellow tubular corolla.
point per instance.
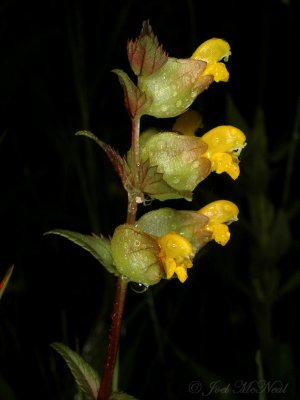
(225, 144)
(220, 213)
(212, 51)
(175, 254)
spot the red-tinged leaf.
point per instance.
(5, 280)
(118, 162)
(135, 100)
(145, 54)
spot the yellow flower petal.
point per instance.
(220, 233)
(223, 162)
(181, 274)
(212, 51)
(218, 71)
(175, 253)
(220, 213)
(225, 144)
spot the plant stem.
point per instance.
(113, 340)
(121, 284)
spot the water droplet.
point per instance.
(124, 278)
(175, 179)
(178, 103)
(137, 243)
(138, 287)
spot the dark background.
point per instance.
(55, 79)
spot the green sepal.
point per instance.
(178, 158)
(135, 100)
(98, 246)
(135, 255)
(85, 376)
(174, 86)
(121, 396)
(189, 224)
(145, 54)
(5, 280)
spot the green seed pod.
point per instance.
(135, 255)
(178, 158)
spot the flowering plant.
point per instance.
(162, 243)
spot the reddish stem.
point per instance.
(113, 340)
(117, 313)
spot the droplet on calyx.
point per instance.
(138, 287)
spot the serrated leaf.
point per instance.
(121, 396)
(85, 376)
(98, 246)
(117, 161)
(145, 54)
(135, 100)
(5, 280)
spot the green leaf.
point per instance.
(121, 396)
(5, 280)
(85, 376)
(98, 246)
(145, 54)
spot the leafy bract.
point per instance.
(85, 376)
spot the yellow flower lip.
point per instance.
(221, 213)
(225, 144)
(175, 254)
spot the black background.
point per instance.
(55, 79)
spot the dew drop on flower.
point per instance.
(138, 287)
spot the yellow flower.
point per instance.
(175, 254)
(225, 144)
(212, 51)
(220, 213)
